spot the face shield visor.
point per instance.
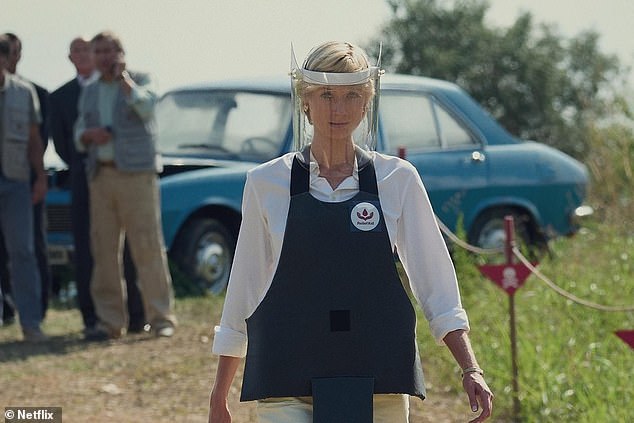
(304, 81)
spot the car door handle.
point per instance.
(476, 156)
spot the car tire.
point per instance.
(488, 231)
(204, 252)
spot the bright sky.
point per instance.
(186, 41)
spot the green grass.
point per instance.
(571, 365)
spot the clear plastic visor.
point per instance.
(349, 101)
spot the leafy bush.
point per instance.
(612, 170)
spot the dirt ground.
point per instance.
(140, 378)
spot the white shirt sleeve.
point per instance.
(142, 99)
(255, 259)
(426, 260)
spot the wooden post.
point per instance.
(509, 228)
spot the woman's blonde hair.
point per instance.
(336, 57)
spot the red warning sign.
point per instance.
(509, 277)
(627, 336)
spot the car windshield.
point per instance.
(228, 125)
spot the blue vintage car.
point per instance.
(211, 134)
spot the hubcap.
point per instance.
(492, 235)
(212, 262)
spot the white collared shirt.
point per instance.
(85, 80)
(411, 227)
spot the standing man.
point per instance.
(115, 127)
(20, 152)
(39, 209)
(62, 119)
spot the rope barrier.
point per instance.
(477, 250)
(454, 238)
(563, 292)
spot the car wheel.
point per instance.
(488, 230)
(204, 251)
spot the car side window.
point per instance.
(452, 133)
(408, 121)
(417, 121)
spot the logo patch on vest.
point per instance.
(365, 216)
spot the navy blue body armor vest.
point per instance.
(336, 308)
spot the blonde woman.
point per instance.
(314, 287)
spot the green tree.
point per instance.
(538, 84)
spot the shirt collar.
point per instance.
(314, 167)
(85, 80)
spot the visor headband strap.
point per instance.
(344, 78)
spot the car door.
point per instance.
(447, 153)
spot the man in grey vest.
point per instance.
(115, 127)
(63, 107)
(20, 151)
(39, 209)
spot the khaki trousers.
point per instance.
(387, 409)
(126, 204)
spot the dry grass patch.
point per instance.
(141, 378)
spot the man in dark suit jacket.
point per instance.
(39, 210)
(63, 103)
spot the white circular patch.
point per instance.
(365, 216)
